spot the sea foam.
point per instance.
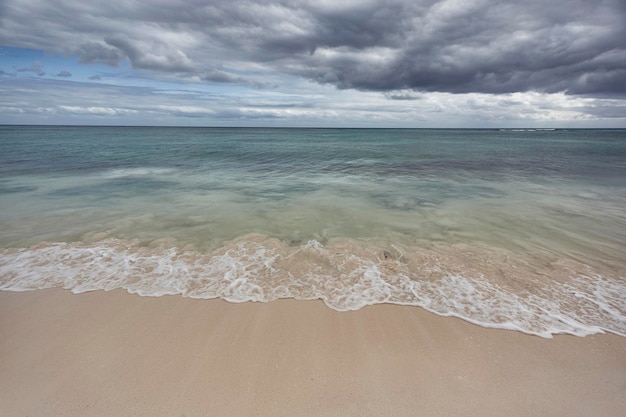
(346, 275)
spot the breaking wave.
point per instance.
(483, 286)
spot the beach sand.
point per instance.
(116, 354)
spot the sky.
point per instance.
(322, 63)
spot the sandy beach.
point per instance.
(116, 354)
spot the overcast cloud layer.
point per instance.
(403, 61)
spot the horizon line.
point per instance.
(310, 127)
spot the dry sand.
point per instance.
(115, 354)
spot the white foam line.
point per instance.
(255, 271)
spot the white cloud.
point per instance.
(97, 111)
(411, 63)
(72, 102)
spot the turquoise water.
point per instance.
(517, 229)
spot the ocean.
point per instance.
(519, 229)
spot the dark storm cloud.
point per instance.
(456, 46)
(96, 53)
(403, 96)
(357, 26)
(217, 76)
(491, 47)
(165, 59)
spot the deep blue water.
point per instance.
(580, 154)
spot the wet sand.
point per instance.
(115, 354)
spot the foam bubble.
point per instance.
(137, 172)
(484, 287)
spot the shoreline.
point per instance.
(486, 286)
(113, 353)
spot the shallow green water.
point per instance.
(530, 204)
